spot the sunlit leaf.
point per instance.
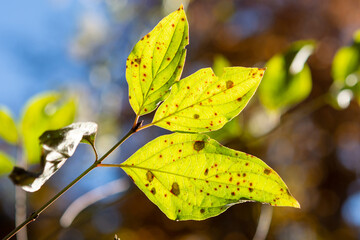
(57, 146)
(288, 78)
(8, 130)
(156, 62)
(6, 163)
(347, 60)
(220, 62)
(44, 112)
(204, 102)
(190, 176)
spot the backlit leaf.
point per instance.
(57, 146)
(347, 60)
(288, 78)
(44, 112)
(190, 176)
(8, 130)
(156, 62)
(204, 102)
(6, 163)
(220, 62)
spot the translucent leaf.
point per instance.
(288, 78)
(346, 62)
(44, 112)
(156, 62)
(220, 62)
(8, 130)
(6, 163)
(204, 102)
(190, 176)
(57, 146)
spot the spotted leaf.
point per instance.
(204, 102)
(156, 62)
(192, 177)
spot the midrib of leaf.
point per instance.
(198, 154)
(187, 177)
(152, 62)
(198, 101)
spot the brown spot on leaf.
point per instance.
(229, 84)
(202, 210)
(251, 189)
(153, 191)
(199, 145)
(168, 59)
(196, 116)
(149, 176)
(267, 171)
(206, 172)
(233, 193)
(175, 189)
(168, 123)
(239, 99)
(244, 174)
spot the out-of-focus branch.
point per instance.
(91, 197)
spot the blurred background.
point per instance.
(69, 56)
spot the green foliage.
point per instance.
(220, 62)
(44, 112)
(346, 73)
(347, 60)
(6, 163)
(57, 146)
(204, 102)
(190, 176)
(8, 130)
(288, 78)
(156, 62)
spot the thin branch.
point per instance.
(35, 214)
(264, 223)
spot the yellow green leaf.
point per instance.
(287, 80)
(8, 130)
(6, 163)
(204, 102)
(156, 62)
(44, 112)
(192, 177)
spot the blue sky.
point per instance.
(34, 39)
